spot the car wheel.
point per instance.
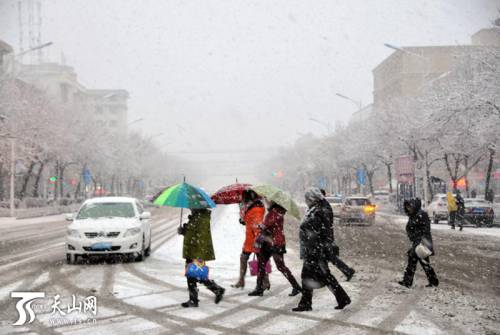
(141, 255)
(147, 252)
(70, 258)
(435, 220)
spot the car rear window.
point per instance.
(357, 202)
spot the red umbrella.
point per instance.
(231, 194)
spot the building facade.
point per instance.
(405, 72)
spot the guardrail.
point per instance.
(26, 213)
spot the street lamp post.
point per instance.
(427, 71)
(12, 175)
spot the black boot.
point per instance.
(219, 295)
(295, 291)
(258, 292)
(403, 283)
(305, 303)
(216, 289)
(302, 308)
(189, 303)
(350, 274)
(193, 294)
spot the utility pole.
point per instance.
(12, 175)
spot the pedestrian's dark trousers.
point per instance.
(328, 279)
(263, 257)
(413, 259)
(343, 267)
(452, 218)
(193, 289)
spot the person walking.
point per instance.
(197, 246)
(334, 255)
(460, 216)
(418, 230)
(490, 196)
(452, 209)
(271, 242)
(251, 215)
(315, 250)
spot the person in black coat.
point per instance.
(418, 230)
(315, 249)
(460, 209)
(335, 260)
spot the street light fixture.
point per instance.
(359, 104)
(324, 124)
(135, 121)
(38, 47)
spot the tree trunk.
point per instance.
(369, 175)
(466, 176)
(429, 185)
(453, 174)
(488, 172)
(26, 180)
(389, 175)
(2, 187)
(57, 181)
(61, 180)
(36, 187)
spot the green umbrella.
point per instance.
(280, 197)
(184, 195)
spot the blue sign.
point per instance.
(87, 177)
(322, 182)
(361, 176)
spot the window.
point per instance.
(98, 110)
(357, 202)
(106, 210)
(113, 123)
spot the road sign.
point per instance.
(405, 169)
(361, 176)
(87, 177)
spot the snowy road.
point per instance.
(144, 298)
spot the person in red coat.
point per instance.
(251, 215)
(271, 242)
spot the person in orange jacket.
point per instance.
(251, 215)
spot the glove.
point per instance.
(242, 222)
(182, 230)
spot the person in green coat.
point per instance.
(198, 246)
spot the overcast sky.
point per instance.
(234, 74)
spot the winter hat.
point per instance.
(313, 195)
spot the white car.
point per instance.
(438, 208)
(110, 225)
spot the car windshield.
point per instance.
(476, 202)
(334, 200)
(357, 202)
(106, 209)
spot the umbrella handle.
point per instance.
(180, 221)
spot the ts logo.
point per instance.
(26, 299)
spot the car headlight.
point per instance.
(132, 232)
(73, 233)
